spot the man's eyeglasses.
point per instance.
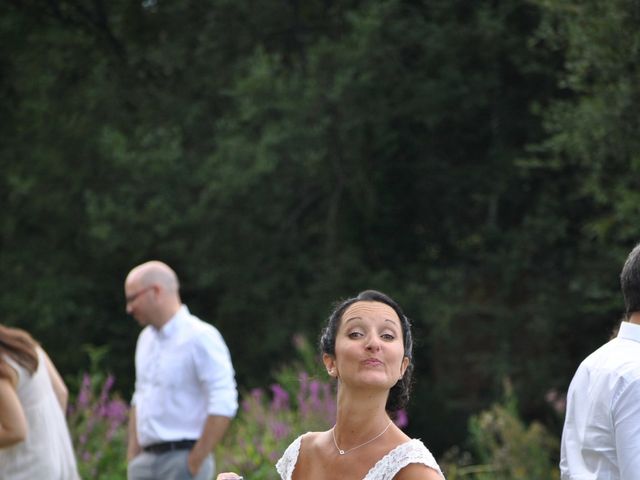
(132, 298)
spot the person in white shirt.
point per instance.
(601, 434)
(185, 391)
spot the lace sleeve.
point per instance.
(413, 451)
(288, 461)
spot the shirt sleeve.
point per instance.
(626, 418)
(215, 372)
(141, 345)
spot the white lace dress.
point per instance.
(386, 468)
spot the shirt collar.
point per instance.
(629, 331)
(170, 328)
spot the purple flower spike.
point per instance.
(280, 398)
(85, 392)
(256, 394)
(402, 419)
(106, 388)
(280, 430)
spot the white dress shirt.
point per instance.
(183, 374)
(601, 435)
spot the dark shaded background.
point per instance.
(478, 161)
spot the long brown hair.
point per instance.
(18, 345)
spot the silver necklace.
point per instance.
(344, 452)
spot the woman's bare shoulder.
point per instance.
(418, 471)
(311, 440)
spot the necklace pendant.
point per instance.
(343, 452)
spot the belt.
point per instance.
(164, 447)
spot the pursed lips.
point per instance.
(372, 362)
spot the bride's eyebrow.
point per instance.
(351, 318)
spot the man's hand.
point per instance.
(133, 447)
(213, 431)
(195, 459)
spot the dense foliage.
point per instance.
(476, 160)
(502, 445)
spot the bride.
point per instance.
(367, 346)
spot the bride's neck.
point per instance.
(360, 412)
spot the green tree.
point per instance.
(473, 159)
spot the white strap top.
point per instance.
(386, 468)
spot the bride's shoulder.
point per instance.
(311, 439)
(418, 471)
(420, 462)
(305, 442)
(302, 447)
(410, 460)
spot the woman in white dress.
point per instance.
(367, 346)
(34, 437)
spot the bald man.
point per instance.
(185, 393)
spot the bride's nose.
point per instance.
(373, 343)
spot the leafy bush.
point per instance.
(269, 421)
(502, 446)
(98, 426)
(505, 446)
